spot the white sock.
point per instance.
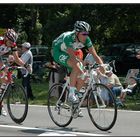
(72, 90)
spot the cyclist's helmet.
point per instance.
(82, 26)
(11, 35)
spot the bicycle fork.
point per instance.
(97, 95)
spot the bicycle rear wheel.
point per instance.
(17, 103)
(58, 108)
(101, 106)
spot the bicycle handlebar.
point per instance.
(11, 68)
(95, 65)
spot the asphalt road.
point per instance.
(38, 123)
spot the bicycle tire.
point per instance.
(102, 107)
(60, 115)
(17, 103)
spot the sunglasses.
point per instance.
(85, 34)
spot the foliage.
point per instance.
(42, 23)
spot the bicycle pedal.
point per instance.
(75, 114)
(66, 106)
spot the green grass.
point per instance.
(132, 102)
(40, 91)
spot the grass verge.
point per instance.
(40, 91)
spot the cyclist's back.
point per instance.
(63, 42)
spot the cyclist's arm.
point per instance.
(95, 55)
(17, 59)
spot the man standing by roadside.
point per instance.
(27, 58)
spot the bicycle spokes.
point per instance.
(58, 107)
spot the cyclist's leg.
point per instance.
(3, 82)
(75, 82)
(3, 78)
(80, 83)
(81, 78)
(64, 59)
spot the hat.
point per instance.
(26, 45)
(107, 68)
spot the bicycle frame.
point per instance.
(91, 82)
(102, 109)
(4, 93)
(10, 79)
(17, 101)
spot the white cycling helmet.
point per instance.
(82, 26)
(26, 45)
(11, 35)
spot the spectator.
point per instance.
(115, 85)
(130, 83)
(57, 73)
(101, 75)
(27, 58)
(131, 73)
(107, 77)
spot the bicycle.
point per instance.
(17, 101)
(102, 110)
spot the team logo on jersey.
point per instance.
(63, 58)
(78, 45)
(63, 47)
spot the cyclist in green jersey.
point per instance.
(63, 53)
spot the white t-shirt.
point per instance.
(27, 58)
(90, 59)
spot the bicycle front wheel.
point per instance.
(58, 108)
(101, 106)
(17, 103)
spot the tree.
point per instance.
(42, 23)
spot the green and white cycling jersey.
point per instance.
(65, 41)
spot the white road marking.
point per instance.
(50, 132)
(56, 134)
(66, 133)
